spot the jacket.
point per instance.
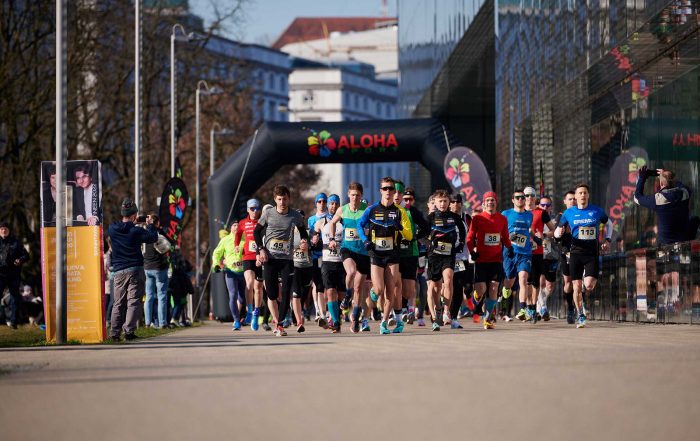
(672, 208)
(126, 244)
(11, 250)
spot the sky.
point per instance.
(265, 20)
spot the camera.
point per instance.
(141, 219)
(652, 172)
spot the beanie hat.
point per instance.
(128, 207)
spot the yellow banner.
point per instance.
(84, 280)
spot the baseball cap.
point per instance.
(334, 198)
(321, 196)
(409, 192)
(456, 197)
(128, 207)
(490, 194)
(529, 190)
(252, 203)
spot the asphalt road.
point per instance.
(520, 381)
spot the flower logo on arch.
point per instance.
(321, 143)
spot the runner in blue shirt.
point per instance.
(518, 260)
(584, 220)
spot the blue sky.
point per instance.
(266, 19)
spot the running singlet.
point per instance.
(328, 254)
(584, 228)
(279, 232)
(539, 219)
(246, 227)
(489, 233)
(302, 259)
(351, 238)
(420, 229)
(386, 227)
(519, 230)
(447, 229)
(311, 223)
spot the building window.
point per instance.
(272, 111)
(379, 109)
(357, 102)
(271, 81)
(281, 81)
(365, 104)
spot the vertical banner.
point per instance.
(84, 262)
(467, 174)
(623, 180)
(173, 203)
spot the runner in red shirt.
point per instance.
(540, 218)
(488, 235)
(251, 267)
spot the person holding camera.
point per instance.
(127, 268)
(670, 203)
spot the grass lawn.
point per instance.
(26, 335)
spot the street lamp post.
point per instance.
(213, 133)
(202, 88)
(173, 97)
(137, 103)
(61, 287)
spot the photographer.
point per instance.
(670, 202)
(127, 267)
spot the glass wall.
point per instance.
(428, 31)
(590, 91)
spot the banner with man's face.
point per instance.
(83, 193)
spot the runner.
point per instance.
(552, 253)
(446, 238)
(301, 285)
(228, 257)
(321, 201)
(331, 262)
(463, 270)
(408, 261)
(519, 224)
(353, 253)
(252, 270)
(275, 252)
(487, 240)
(386, 226)
(540, 218)
(584, 220)
(565, 241)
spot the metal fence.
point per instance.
(654, 285)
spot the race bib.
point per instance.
(404, 245)
(460, 266)
(383, 243)
(331, 255)
(492, 239)
(301, 256)
(547, 245)
(279, 246)
(238, 266)
(422, 261)
(351, 234)
(444, 248)
(587, 233)
(252, 247)
(519, 240)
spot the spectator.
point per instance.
(127, 265)
(670, 203)
(155, 262)
(12, 256)
(109, 280)
(180, 286)
(32, 306)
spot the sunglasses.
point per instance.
(518, 197)
(407, 199)
(387, 189)
(322, 201)
(254, 209)
(530, 195)
(545, 205)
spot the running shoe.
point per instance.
(488, 324)
(410, 317)
(530, 316)
(365, 326)
(507, 318)
(376, 315)
(335, 329)
(280, 331)
(392, 321)
(581, 322)
(476, 296)
(399, 327)
(373, 295)
(446, 318)
(404, 317)
(255, 322)
(236, 325)
(266, 326)
(322, 323)
(505, 292)
(383, 329)
(522, 315)
(455, 325)
(476, 318)
(355, 326)
(436, 327)
(248, 318)
(470, 304)
(570, 317)
(301, 329)
(545, 314)
(286, 323)
(345, 304)
(420, 322)
(438, 316)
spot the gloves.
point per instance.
(474, 255)
(369, 246)
(511, 253)
(217, 269)
(459, 248)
